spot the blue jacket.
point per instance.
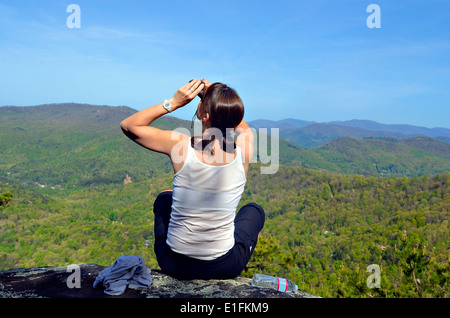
(127, 270)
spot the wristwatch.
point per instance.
(167, 106)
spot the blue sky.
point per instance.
(313, 60)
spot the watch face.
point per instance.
(167, 105)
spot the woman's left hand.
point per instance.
(185, 94)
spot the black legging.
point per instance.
(248, 223)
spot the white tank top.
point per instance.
(204, 205)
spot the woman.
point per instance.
(197, 232)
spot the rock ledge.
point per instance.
(51, 282)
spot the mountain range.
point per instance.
(309, 134)
(80, 144)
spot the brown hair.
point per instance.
(225, 109)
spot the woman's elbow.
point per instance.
(126, 129)
(124, 126)
(127, 132)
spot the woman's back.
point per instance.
(205, 198)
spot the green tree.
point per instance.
(5, 198)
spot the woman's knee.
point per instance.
(164, 196)
(259, 209)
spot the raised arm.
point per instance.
(136, 127)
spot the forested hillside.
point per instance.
(63, 200)
(322, 230)
(325, 229)
(416, 156)
(73, 144)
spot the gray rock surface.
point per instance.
(52, 282)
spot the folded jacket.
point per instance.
(127, 270)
